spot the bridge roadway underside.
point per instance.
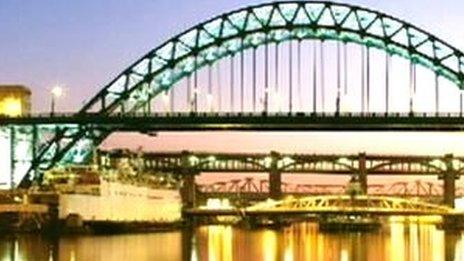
(251, 121)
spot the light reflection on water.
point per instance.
(395, 241)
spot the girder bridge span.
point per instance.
(360, 166)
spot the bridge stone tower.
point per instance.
(188, 189)
(449, 181)
(362, 178)
(275, 177)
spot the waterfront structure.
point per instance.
(15, 100)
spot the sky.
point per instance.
(82, 45)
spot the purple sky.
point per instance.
(83, 44)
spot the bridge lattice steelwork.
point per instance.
(336, 205)
(249, 186)
(348, 204)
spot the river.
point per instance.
(395, 241)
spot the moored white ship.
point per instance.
(114, 200)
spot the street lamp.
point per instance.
(56, 92)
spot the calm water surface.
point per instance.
(395, 241)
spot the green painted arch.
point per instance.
(276, 22)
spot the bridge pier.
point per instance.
(275, 184)
(453, 223)
(188, 189)
(449, 192)
(275, 178)
(362, 176)
(451, 240)
(449, 182)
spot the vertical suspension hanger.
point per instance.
(189, 93)
(266, 77)
(415, 78)
(387, 82)
(460, 102)
(411, 87)
(195, 87)
(345, 65)
(254, 78)
(219, 81)
(232, 76)
(414, 66)
(299, 75)
(314, 78)
(322, 76)
(437, 94)
(242, 77)
(363, 60)
(209, 97)
(171, 97)
(276, 76)
(368, 78)
(290, 77)
(337, 102)
(167, 101)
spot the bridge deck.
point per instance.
(252, 121)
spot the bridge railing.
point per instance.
(241, 114)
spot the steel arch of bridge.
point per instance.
(233, 32)
(253, 26)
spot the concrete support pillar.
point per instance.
(451, 240)
(362, 178)
(275, 177)
(449, 182)
(188, 189)
(275, 183)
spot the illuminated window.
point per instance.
(11, 107)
